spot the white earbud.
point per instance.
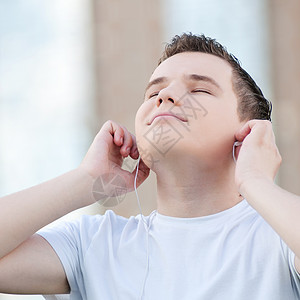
(235, 144)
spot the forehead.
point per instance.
(195, 63)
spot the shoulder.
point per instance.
(93, 230)
(84, 229)
(108, 224)
(108, 219)
(108, 232)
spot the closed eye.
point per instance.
(153, 95)
(201, 91)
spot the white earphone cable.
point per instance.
(136, 193)
(147, 225)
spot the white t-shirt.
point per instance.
(232, 255)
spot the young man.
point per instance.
(222, 229)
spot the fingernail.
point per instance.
(121, 139)
(128, 149)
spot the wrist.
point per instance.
(258, 183)
(82, 187)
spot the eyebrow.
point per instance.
(194, 77)
(155, 81)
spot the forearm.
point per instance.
(25, 212)
(278, 207)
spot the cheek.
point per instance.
(141, 127)
(138, 123)
(144, 147)
(141, 117)
(143, 111)
(213, 136)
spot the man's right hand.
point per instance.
(111, 145)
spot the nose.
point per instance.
(167, 95)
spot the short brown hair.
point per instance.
(252, 103)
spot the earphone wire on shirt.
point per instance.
(148, 225)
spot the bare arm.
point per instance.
(28, 264)
(33, 268)
(257, 165)
(25, 212)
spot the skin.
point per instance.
(196, 177)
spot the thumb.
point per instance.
(244, 131)
(142, 172)
(129, 177)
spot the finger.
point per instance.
(127, 143)
(116, 132)
(134, 153)
(244, 131)
(129, 177)
(264, 126)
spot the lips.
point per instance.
(167, 114)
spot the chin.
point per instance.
(154, 154)
(163, 142)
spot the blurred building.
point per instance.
(68, 66)
(284, 51)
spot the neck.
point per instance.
(187, 190)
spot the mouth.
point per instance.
(167, 115)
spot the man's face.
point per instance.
(192, 92)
